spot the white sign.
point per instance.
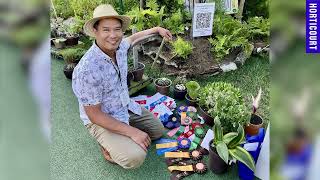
(203, 19)
(231, 6)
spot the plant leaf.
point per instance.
(222, 151)
(217, 130)
(237, 140)
(243, 156)
(228, 137)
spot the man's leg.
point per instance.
(122, 149)
(147, 123)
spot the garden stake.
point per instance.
(157, 55)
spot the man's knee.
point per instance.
(133, 160)
(158, 132)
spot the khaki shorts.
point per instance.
(123, 150)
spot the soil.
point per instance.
(200, 62)
(256, 120)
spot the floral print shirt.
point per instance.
(97, 80)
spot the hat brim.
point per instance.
(88, 26)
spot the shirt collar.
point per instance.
(99, 52)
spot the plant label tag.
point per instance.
(209, 136)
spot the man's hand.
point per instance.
(165, 33)
(141, 138)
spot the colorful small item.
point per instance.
(193, 146)
(196, 140)
(182, 109)
(200, 168)
(177, 155)
(201, 120)
(169, 125)
(199, 132)
(196, 155)
(184, 143)
(186, 121)
(188, 134)
(192, 109)
(180, 131)
(192, 115)
(181, 168)
(166, 145)
(181, 137)
(172, 132)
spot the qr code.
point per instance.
(203, 20)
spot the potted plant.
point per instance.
(71, 56)
(179, 88)
(193, 89)
(225, 101)
(163, 85)
(227, 147)
(59, 43)
(255, 123)
(72, 36)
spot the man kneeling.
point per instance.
(122, 127)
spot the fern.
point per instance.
(259, 28)
(175, 23)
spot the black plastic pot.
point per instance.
(138, 73)
(254, 125)
(68, 72)
(71, 41)
(207, 118)
(129, 78)
(190, 101)
(177, 94)
(216, 164)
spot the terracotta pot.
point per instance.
(254, 125)
(216, 164)
(207, 118)
(190, 101)
(177, 94)
(164, 90)
(138, 73)
(71, 41)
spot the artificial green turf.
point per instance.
(76, 155)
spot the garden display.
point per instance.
(211, 121)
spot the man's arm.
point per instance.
(156, 30)
(106, 121)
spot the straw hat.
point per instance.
(101, 12)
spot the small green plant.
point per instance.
(72, 54)
(182, 48)
(228, 145)
(259, 28)
(229, 34)
(163, 82)
(224, 101)
(193, 89)
(175, 23)
(147, 18)
(180, 80)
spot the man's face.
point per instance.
(109, 34)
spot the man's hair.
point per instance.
(96, 24)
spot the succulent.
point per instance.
(163, 82)
(180, 87)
